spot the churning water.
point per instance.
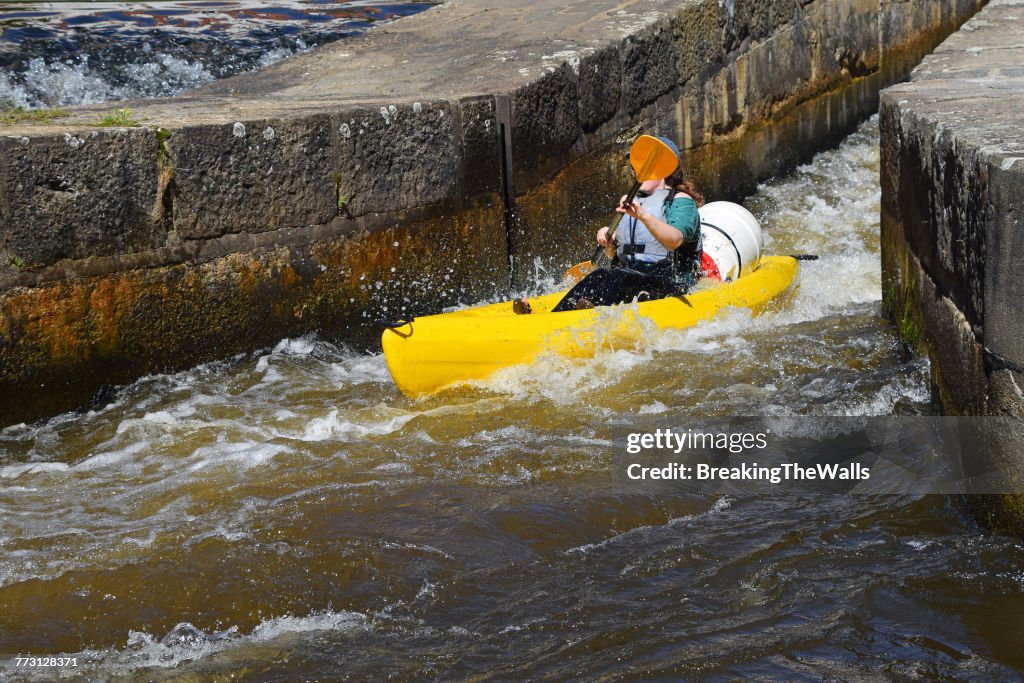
(67, 53)
(288, 515)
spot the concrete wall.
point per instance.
(427, 163)
(952, 143)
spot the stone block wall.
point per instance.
(952, 206)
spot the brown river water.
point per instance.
(288, 515)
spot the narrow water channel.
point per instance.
(288, 515)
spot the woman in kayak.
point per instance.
(656, 251)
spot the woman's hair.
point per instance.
(681, 183)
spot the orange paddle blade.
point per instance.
(652, 159)
(579, 271)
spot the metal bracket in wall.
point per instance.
(503, 113)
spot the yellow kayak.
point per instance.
(433, 352)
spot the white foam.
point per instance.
(884, 400)
(276, 55)
(567, 381)
(303, 346)
(720, 505)
(159, 419)
(396, 467)
(187, 643)
(109, 458)
(14, 430)
(361, 369)
(325, 621)
(244, 454)
(334, 426)
(559, 379)
(63, 84)
(15, 471)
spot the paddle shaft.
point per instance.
(618, 217)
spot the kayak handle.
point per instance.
(392, 324)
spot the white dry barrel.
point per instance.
(732, 237)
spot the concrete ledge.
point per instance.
(952, 202)
(485, 139)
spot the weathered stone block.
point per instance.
(648, 66)
(784, 12)
(957, 354)
(545, 124)
(902, 21)
(909, 30)
(690, 119)
(698, 48)
(760, 20)
(844, 39)
(743, 20)
(986, 40)
(600, 88)
(943, 204)
(778, 68)
(480, 165)
(890, 136)
(395, 157)
(252, 176)
(1004, 268)
(1006, 393)
(78, 195)
(725, 99)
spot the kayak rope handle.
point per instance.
(392, 324)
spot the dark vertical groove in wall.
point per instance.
(503, 113)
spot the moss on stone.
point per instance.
(343, 197)
(891, 299)
(119, 118)
(22, 115)
(909, 330)
(163, 155)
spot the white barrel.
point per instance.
(732, 238)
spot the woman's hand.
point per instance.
(634, 210)
(609, 243)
